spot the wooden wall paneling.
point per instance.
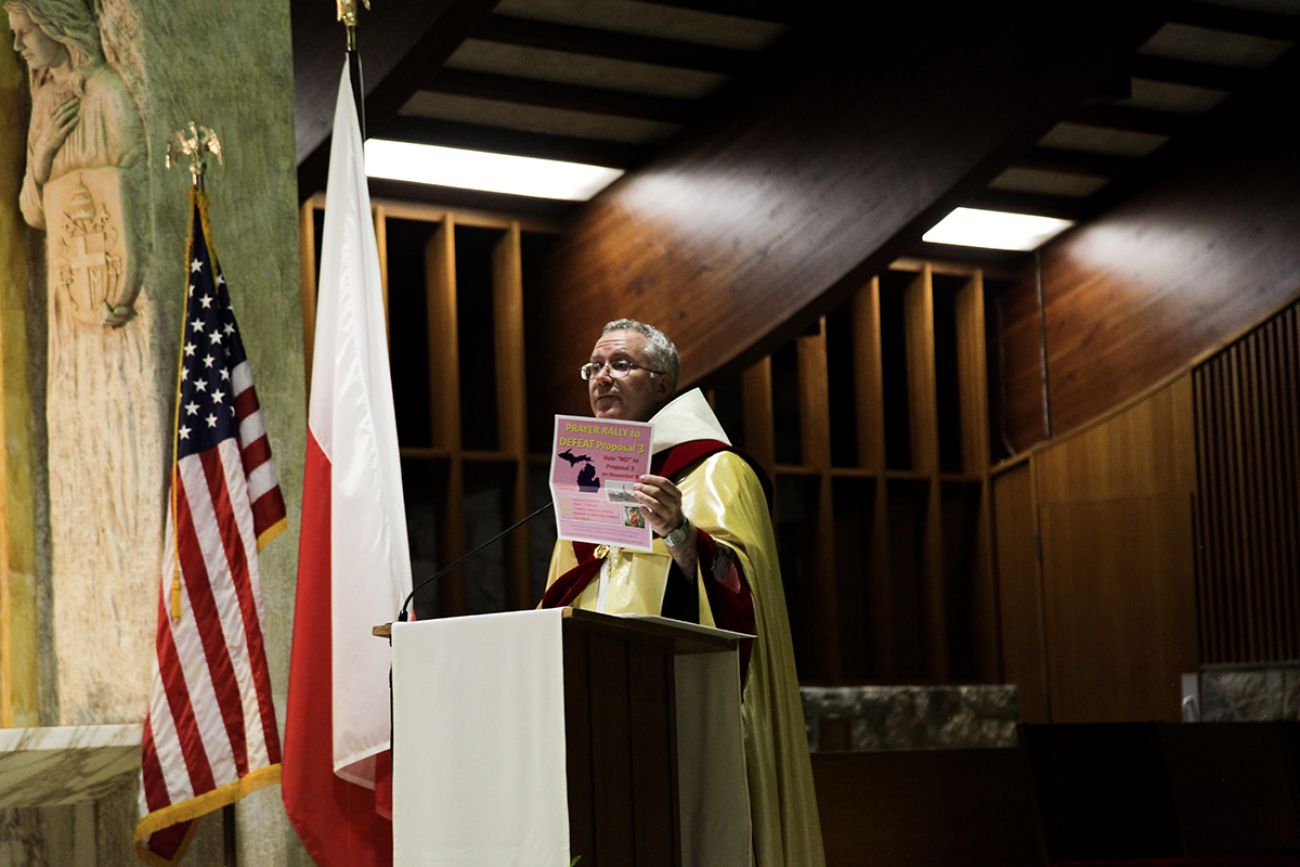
(444, 408)
(1209, 567)
(856, 576)
(1272, 511)
(922, 404)
(1247, 444)
(918, 302)
(788, 198)
(1237, 522)
(869, 403)
(1289, 418)
(760, 435)
(1242, 519)
(1257, 510)
(1146, 448)
(307, 270)
(908, 508)
(1236, 527)
(1201, 254)
(1023, 641)
(868, 383)
(814, 429)
(512, 405)
(1117, 593)
(1283, 442)
(901, 808)
(1115, 511)
(972, 373)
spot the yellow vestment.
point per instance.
(722, 496)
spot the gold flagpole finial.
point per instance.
(348, 15)
(195, 142)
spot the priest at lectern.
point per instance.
(713, 562)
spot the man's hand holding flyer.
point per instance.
(594, 463)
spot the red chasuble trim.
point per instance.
(570, 585)
(727, 589)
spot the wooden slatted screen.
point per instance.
(1247, 410)
(887, 546)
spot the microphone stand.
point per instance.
(403, 614)
(410, 597)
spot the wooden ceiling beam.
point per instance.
(788, 197)
(398, 42)
(551, 211)
(495, 139)
(1093, 165)
(531, 91)
(591, 42)
(1247, 22)
(757, 10)
(1131, 119)
(1062, 207)
(1072, 162)
(1210, 75)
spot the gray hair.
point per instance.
(662, 351)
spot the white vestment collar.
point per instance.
(685, 418)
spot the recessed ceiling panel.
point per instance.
(1096, 140)
(600, 72)
(1181, 98)
(1185, 42)
(1277, 7)
(532, 118)
(1048, 183)
(650, 19)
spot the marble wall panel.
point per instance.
(1250, 694)
(858, 718)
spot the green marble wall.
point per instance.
(19, 665)
(229, 66)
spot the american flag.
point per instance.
(210, 736)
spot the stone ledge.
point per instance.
(41, 767)
(1250, 693)
(864, 718)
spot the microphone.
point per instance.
(402, 615)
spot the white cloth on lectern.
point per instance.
(479, 754)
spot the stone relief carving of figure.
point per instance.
(106, 410)
(85, 153)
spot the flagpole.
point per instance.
(348, 15)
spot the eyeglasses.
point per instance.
(618, 368)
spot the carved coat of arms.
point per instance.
(89, 259)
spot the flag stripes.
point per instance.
(211, 735)
(354, 560)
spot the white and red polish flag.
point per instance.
(210, 737)
(354, 565)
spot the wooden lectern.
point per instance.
(536, 737)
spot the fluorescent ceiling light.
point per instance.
(998, 230)
(493, 173)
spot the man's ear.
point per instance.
(663, 390)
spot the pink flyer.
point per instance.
(594, 463)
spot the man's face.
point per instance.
(636, 396)
(37, 49)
